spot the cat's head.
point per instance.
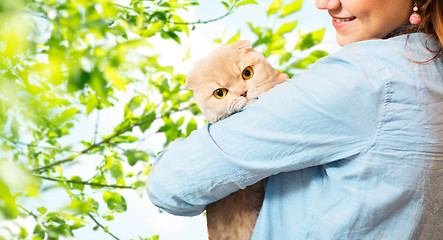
(229, 78)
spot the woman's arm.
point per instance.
(328, 113)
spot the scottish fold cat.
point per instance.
(228, 79)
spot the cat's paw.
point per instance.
(238, 104)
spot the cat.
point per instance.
(228, 79)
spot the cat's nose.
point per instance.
(245, 94)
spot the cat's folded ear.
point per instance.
(241, 44)
(188, 83)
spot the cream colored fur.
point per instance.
(233, 217)
(222, 68)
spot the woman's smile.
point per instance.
(341, 22)
(357, 20)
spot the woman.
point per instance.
(351, 149)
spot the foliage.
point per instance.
(64, 62)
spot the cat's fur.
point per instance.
(233, 217)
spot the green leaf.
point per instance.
(171, 4)
(181, 27)
(192, 3)
(98, 84)
(286, 27)
(285, 58)
(153, 29)
(23, 233)
(235, 38)
(80, 207)
(76, 205)
(100, 179)
(277, 46)
(158, 16)
(114, 201)
(76, 225)
(274, 7)
(93, 203)
(180, 121)
(42, 210)
(133, 105)
(319, 54)
(116, 169)
(39, 232)
(78, 79)
(311, 39)
(68, 114)
(125, 139)
(226, 5)
(254, 29)
(77, 186)
(91, 103)
(291, 8)
(192, 125)
(115, 77)
(188, 55)
(170, 34)
(245, 2)
(109, 217)
(147, 119)
(135, 102)
(135, 155)
(8, 200)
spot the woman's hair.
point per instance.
(431, 12)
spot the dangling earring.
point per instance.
(415, 17)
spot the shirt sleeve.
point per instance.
(329, 112)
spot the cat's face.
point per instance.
(229, 78)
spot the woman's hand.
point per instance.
(281, 77)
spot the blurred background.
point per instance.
(92, 91)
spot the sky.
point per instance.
(142, 218)
(201, 39)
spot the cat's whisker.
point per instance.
(264, 86)
(261, 89)
(269, 79)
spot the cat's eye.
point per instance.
(247, 73)
(220, 93)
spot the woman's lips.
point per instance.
(341, 22)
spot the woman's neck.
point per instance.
(407, 28)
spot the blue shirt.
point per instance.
(352, 148)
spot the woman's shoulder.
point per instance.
(414, 46)
(377, 55)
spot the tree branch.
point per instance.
(105, 229)
(106, 140)
(17, 144)
(29, 212)
(81, 182)
(207, 21)
(33, 215)
(197, 22)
